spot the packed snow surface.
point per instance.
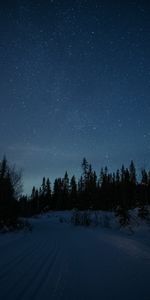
(57, 260)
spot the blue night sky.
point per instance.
(74, 82)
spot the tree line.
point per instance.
(119, 191)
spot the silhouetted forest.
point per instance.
(119, 191)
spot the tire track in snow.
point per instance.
(31, 261)
(61, 280)
(20, 257)
(17, 260)
(44, 278)
(37, 270)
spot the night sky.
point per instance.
(74, 82)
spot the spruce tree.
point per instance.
(8, 203)
(73, 193)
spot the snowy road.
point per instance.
(60, 261)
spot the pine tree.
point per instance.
(43, 186)
(73, 192)
(85, 169)
(118, 176)
(144, 179)
(33, 193)
(57, 194)
(65, 192)
(132, 172)
(8, 203)
(122, 174)
(48, 194)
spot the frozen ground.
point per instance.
(60, 261)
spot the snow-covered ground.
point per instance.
(58, 260)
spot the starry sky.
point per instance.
(74, 82)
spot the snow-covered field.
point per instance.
(58, 260)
